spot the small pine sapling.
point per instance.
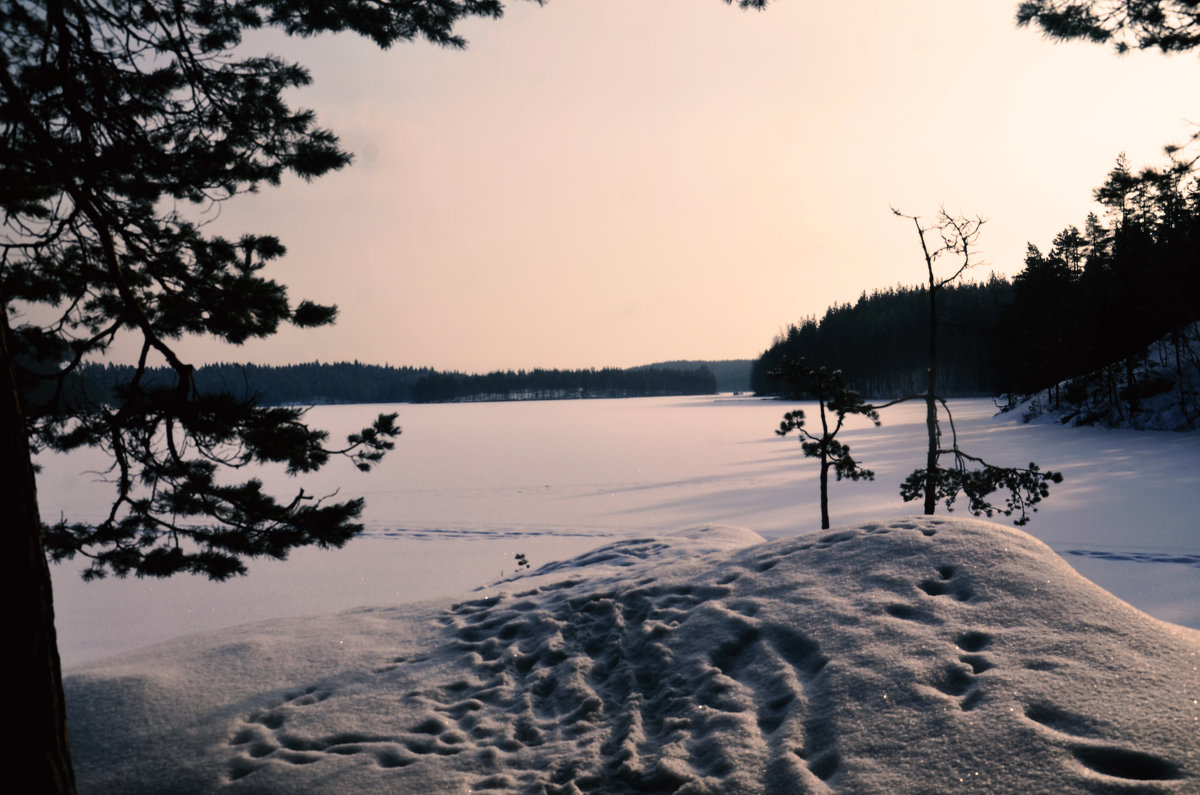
(834, 400)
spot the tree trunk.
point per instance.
(39, 746)
(1131, 387)
(824, 492)
(1177, 340)
(931, 420)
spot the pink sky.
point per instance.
(618, 182)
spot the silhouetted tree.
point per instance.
(1043, 336)
(118, 118)
(539, 384)
(953, 238)
(1140, 281)
(1168, 25)
(877, 342)
(834, 399)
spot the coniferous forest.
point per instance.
(560, 384)
(880, 342)
(318, 383)
(1077, 323)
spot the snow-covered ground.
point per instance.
(471, 485)
(890, 655)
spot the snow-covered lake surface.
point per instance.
(471, 485)
(685, 627)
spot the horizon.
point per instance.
(360, 363)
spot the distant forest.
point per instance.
(314, 383)
(1079, 317)
(560, 384)
(733, 375)
(352, 382)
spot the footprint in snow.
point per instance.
(1083, 737)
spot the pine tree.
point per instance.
(118, 119)
(834, 399)
(1167, 25)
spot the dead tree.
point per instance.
(948, 246)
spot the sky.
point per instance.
(601, 183)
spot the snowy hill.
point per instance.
(918, 655)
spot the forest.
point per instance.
(1077, 322)
(317, 383)
(880, 342)
(540, 384)
(313, 383)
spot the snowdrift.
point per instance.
(928, 655)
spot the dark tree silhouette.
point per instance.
(1168, 25)
(1044, 335)
(953, 238)
(878, 341)
(834, 399)
(1154, 216)
(121, 121)
(563, 384)
(1084, 315)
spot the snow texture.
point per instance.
(916, 655)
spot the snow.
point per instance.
(658, 644)
(921, 654)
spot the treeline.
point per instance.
(319, 383)
(733, 375)
(563, 384)
(313, 383)
(1077, 322)
(881, 342)
(1085, 312)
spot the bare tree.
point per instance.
(952, 238)
(948, 246)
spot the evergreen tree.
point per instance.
(117, 118)
(833, 399)
(1097, 240)
(1140, 282)
(1070, 247)
(1167, 25)
(1044, 340)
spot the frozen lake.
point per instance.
(471, 485)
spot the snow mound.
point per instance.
(925, 655)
